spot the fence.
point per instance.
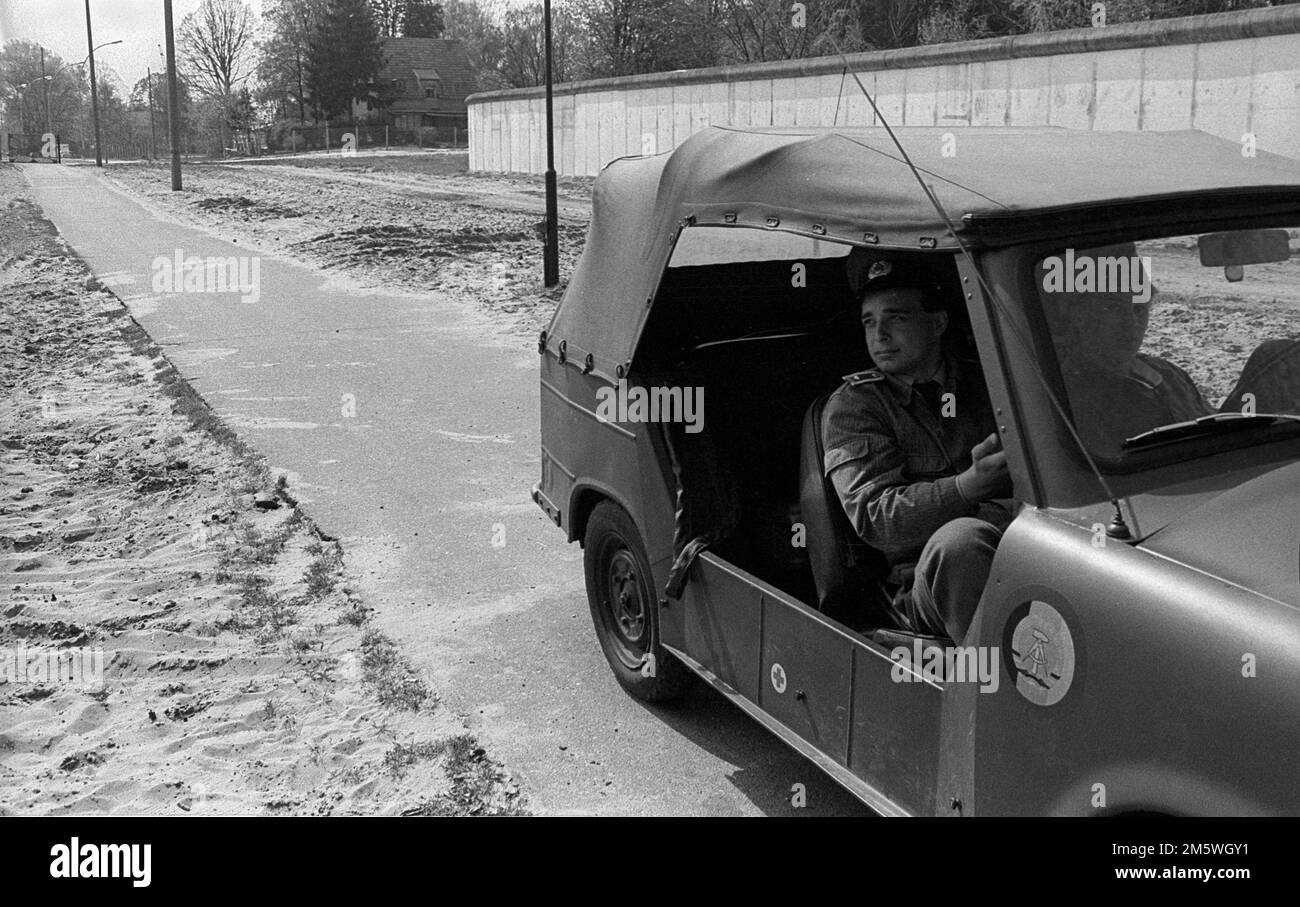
(335, 138)
(33, 147)
(1229, 74)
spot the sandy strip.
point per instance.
(223, 665)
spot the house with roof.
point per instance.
(425, 82)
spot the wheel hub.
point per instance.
(628, 609)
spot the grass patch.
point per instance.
(355, 614)
(325, 570)
(401, 757)
(246, 546)
(395, 683)
(263, 609)
(478, 785)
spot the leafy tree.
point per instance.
(422, 19)
(388, 16)
(139, 100)
(242, 113)
(115, 127)
(284, 83)
(344, 56)
(24, 108)
(408, 18)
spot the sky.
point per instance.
(60, 26)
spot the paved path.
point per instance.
(438, 459)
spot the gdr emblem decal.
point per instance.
(1042, 651)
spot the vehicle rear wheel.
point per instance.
(624, 607)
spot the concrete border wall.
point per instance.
(1228, 74)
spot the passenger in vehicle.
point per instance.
(1272, 378)
(1115, 391)
(913, 454)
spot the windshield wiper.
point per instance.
(1214, 423)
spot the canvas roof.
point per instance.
(996, 185)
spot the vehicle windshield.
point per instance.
(1163, 343)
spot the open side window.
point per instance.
(758, 324)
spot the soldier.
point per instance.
(913, 454)
(1115, 391)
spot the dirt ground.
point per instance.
(386, 221)
(1210, 326)
(227, 666)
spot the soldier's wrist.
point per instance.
(969, 496)
(956, 493)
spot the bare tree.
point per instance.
(217, 46)
(626, 37)
(523, 45)
(759, 30)
(474, 25)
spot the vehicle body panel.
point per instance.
(825, 686)
(1158, 683)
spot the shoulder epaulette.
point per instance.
(866, 376)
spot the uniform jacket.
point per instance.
(894, 461)
(1107, 408)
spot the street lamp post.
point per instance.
(173, 99)
(46, 79)
(94, 89)
(551, 252)
(22, 106)
(153, 134)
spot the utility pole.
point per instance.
(22, 106)
(173, 99)
(551, 252)
(153, 133)
(94, 89)
(46, 79)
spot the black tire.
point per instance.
(625, 607)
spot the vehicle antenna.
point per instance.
(1117, 529)
(844, 75)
